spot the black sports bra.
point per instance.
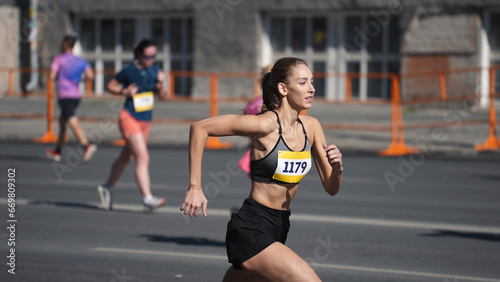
(282, 165)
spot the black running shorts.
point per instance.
(68, 107)
(252, 229)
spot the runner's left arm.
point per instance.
(160, 85)
(327, 158)
(89, 74)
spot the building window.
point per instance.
(299, 34)
(181, 46)
(108, 32)
(127, 34)
(176, 36)
(353, 41)
(158, 33)
(494, 39)
(303, 37)
(319, 34)
(353, 67)
(319, 81)
(373, 47)
(109, 42)
(108, 75)
(277, 34)
(495, 32)
(88, 35)
(337, 43)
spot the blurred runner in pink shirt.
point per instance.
(68, 70)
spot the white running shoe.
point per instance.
(106, 196)
(89, 152)
(153, 204)
(53, 154)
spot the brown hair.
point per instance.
(141, 46)
(280, 73)
(69, 41)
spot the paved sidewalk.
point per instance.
(359, 128)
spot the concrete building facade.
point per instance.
(333, 36)
(9, 42)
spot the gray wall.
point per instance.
(9, 42)
(440, 40)
(227, 32)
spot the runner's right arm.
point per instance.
(224, 125)
(115, 88)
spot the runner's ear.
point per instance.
(282, 89)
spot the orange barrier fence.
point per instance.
(461, 92)
(435, 86)
(397, 146)
(438, 82)
(492, 142)
(350, 76)
(172, 75)
(11, 89)
(212, 142)
(49, 136)
(10, 72)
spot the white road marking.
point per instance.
(395, 223)
(319, 265)
(160, 253)
(307, 218)
(407, 273)
(93, 183)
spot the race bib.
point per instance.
(292, 166)
(144, 101)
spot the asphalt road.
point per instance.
(395, 219)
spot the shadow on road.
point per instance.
(486, 177)
(196, 241)
(24, 158)
(466, 235)
(65, 204)
(89, 206)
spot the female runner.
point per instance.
(282, 144)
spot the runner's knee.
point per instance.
(143, 158)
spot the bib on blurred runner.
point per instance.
(144, 101)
